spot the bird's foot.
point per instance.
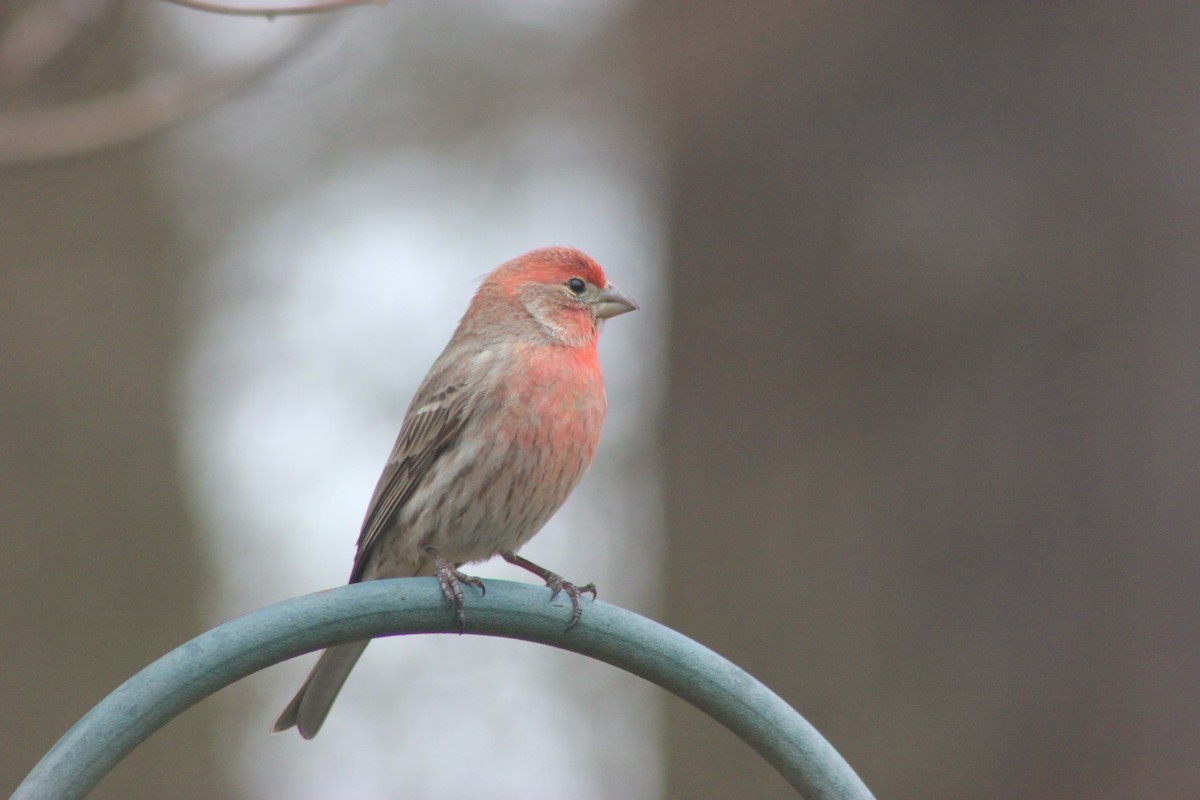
(450, 579)
(556, 585)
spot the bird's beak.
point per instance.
(611, 302)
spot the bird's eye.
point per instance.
(577, 286)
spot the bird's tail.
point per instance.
(311, 705)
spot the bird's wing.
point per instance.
(427, 431)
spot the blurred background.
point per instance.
(908, 425)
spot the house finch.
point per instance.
(499, 432)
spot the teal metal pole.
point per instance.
(242, 646)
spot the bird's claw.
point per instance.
(557, 585)
(450, 579)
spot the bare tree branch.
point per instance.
(152, 104)
(270, 12)
(40, 32)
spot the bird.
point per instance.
(499, 432)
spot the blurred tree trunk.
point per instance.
(932, 436)
(100, 573)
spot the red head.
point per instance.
(557, 292)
